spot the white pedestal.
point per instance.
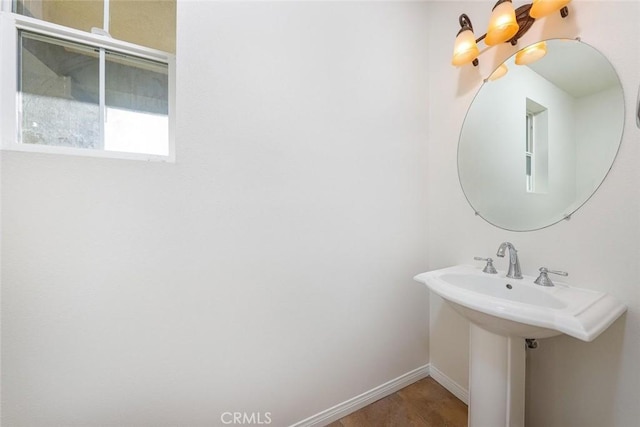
(496, 379)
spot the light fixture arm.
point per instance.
(525, 21)
(564, 12)
(465, 23)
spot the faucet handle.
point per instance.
(543, 278)
(489, 268)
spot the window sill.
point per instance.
(86, 152)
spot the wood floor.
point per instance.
(422, 404)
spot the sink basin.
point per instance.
(519, 307)
(502, 313)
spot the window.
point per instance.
(536, 148)
(75, 89)
(528, 152)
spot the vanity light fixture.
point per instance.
(540, 8)
(506, 24)
(466, 48)
(502, 24)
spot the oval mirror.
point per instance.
(538, 142)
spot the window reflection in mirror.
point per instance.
(537, 147)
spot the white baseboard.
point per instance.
(446, 382)
(345, 408)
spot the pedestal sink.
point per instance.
(503, 313)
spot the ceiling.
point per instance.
(576, 67)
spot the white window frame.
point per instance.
(529, 152)
(10, 24)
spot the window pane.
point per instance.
(78, 14)
(137, 105)
(150, 23)
(59, 93)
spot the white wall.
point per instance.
(269, 269)
(570, 383)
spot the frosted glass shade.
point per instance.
(502, 24)
(499, 72)
(531, 53)
(465, 48)
(541, 8)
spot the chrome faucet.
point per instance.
(514, 263)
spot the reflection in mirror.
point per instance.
(538, 142)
